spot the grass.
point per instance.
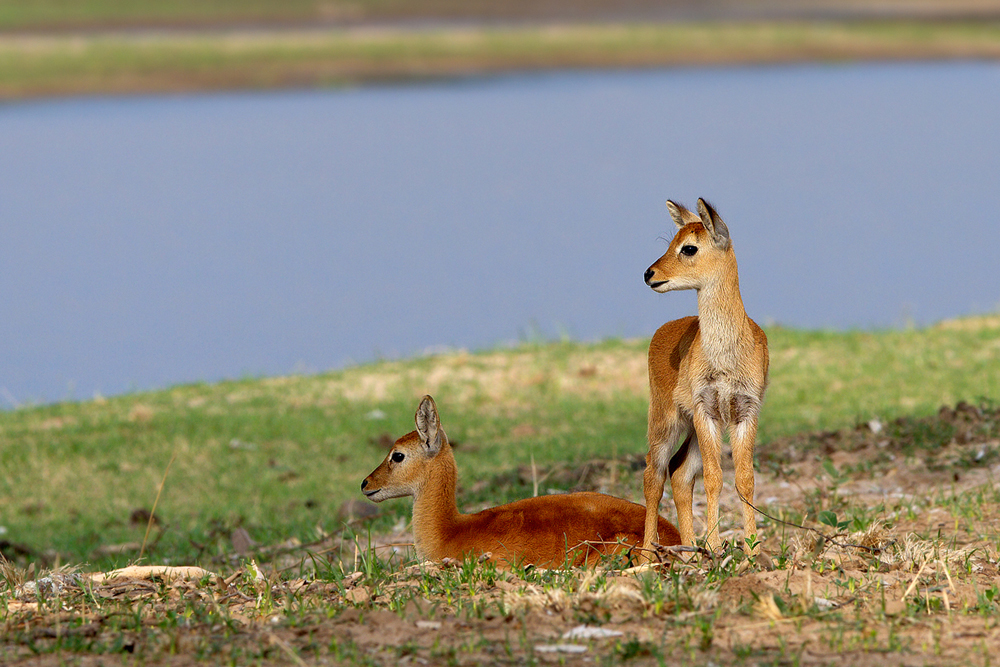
(913, 486)
(77, 14)
(88, 63)
(65, 15)
(279, 456)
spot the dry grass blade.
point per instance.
(913, 584)
(11, 574)
(156, 501)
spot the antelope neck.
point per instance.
(435, 509)
(722, 319)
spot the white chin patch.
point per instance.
(386, 494)
(379, 496)
(677, 284)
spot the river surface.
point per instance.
(149, 241)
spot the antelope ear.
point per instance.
(429, 426)
(681, 216)
(717, 229)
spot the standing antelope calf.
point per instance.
(549, 531)
(706, 374)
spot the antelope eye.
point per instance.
(689, 250)
(397, 457)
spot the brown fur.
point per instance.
(707, 374)
(549, 531)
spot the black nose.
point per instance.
(648, 275)
(364, 484)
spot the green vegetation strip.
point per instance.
(77, 14)
(279, 456)
(156, 62)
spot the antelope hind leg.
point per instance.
(742, 436)
(685, 465)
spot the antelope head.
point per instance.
(406, 466)
(699, 252)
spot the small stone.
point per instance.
(358, 595)
(560, 648)
(591, 632)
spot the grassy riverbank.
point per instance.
(279, 456)
(141, 62)
(75, 15)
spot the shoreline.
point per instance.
(153, 61)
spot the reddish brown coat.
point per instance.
(549, 531)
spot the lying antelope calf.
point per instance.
(548, 531)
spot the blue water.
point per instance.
(148, 241)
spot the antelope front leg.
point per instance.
(710, 444)
(742, 435)
(653, 480)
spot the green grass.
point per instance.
(279, 456)
(65, 14)
(82, 14)
(126, 62)
(830, 380)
